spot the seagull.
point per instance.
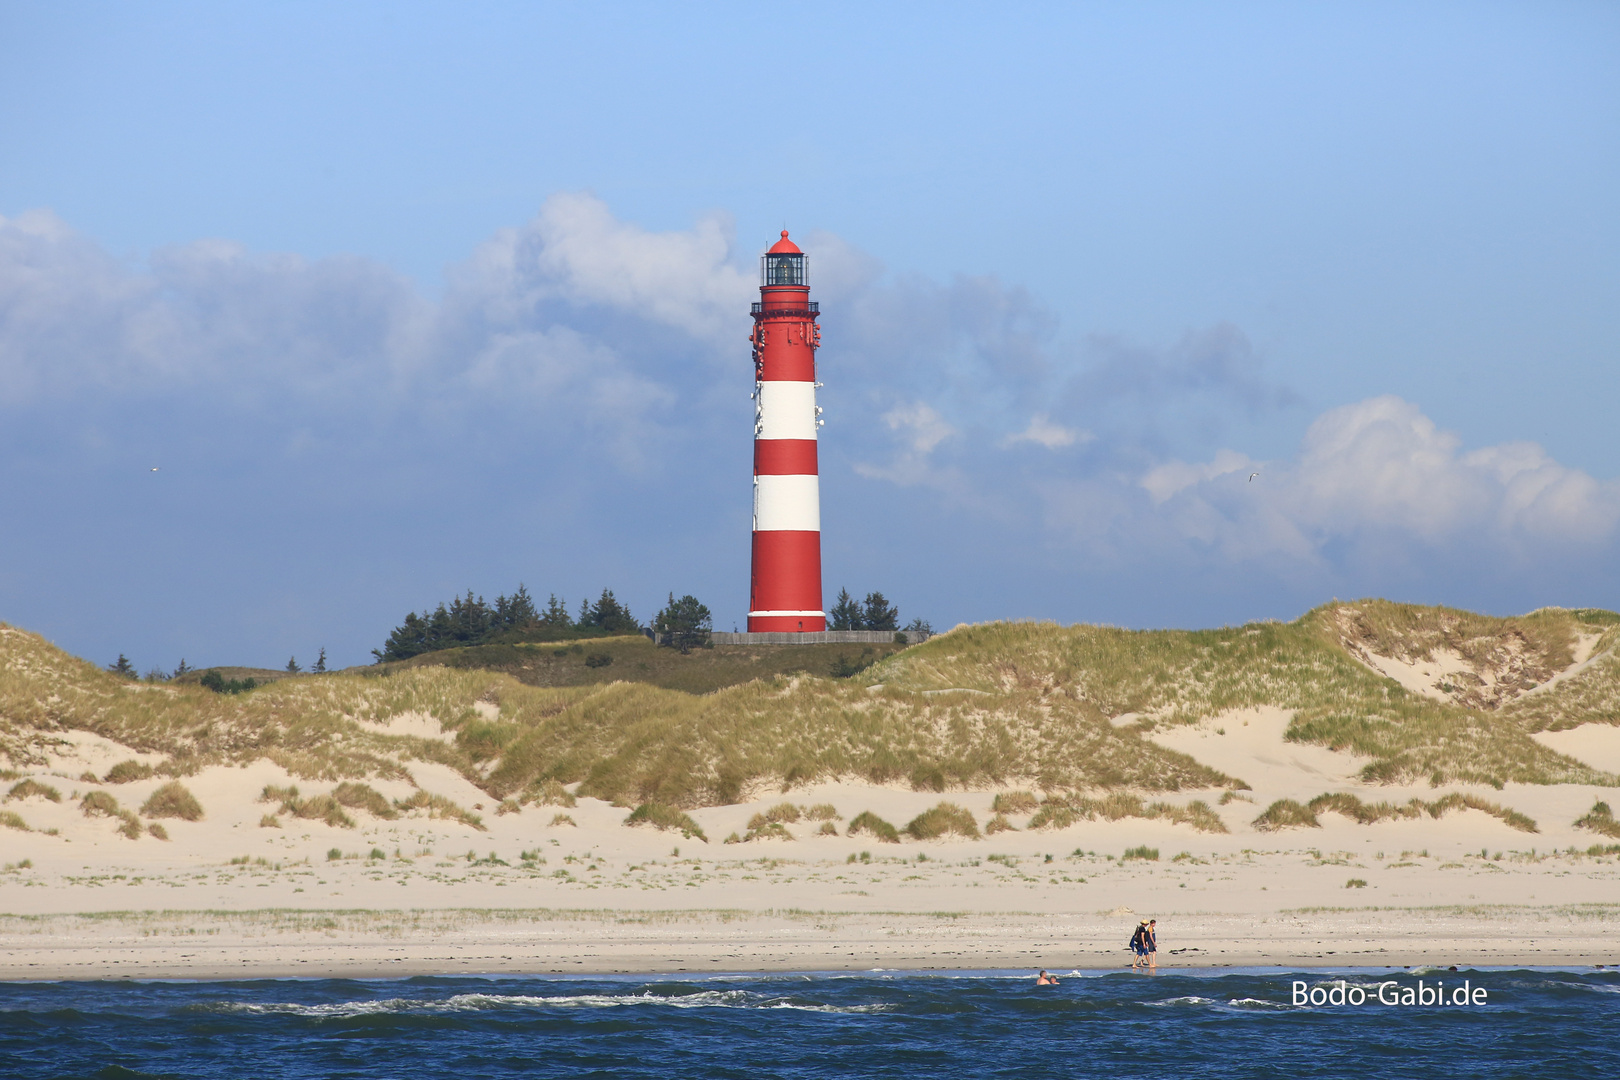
(1251, 476)
(154, 468)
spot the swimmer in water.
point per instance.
(1043, 979)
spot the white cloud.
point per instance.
(576, 251)
(919, 429)
(1043, 432)
(1382, 468)
(1174, 477)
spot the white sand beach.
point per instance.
(230, 895)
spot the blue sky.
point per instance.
(408, 299)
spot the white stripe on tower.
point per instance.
(787, 502)
(787, 410)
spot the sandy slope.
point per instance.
(597, 895)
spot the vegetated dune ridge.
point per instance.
(1067, 710)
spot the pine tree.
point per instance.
(122, 666)
(685, 624)
(611, 616)
(846, 613)
(878, 614)
(556, 614)
(320, 662)
(292, 665)
(182, 669)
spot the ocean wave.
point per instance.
(708, 999)
(1257, 1003)
(1190, 999)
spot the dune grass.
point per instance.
(868, 822)
(943, 819)
(1014, 802)
(1287, 813)
(358, 796)
(30, 788)
(1061, 811)
(665, 818)
(982, 707)
(13, 820)
(128, 771)
(1600, 819)
(174, 801)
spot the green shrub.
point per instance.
(1144, 852)
(269, 821)
(1356, 883)
(216, 682)
(333, 854)
(997, 824)
(823, 812)
(173, 800)
(598, 660)
(154, 829)
(827, 829)
(868, 822)
(943, 819)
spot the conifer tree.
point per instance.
(292, 665)
(122, 666)
(846, 613)
(685, 624)
(320, 662)
(878, 614)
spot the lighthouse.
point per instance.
(784, 590)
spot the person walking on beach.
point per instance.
(1139, 947)
(1151, 940)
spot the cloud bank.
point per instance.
(572, 410)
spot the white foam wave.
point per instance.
(710, 999)
(1257, 1003)
(1191, 999)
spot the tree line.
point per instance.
(873, 613)
(470, 620)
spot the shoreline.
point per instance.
(302, 943)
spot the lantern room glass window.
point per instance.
(783, 270)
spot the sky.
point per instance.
(1149, 314)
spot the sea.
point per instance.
(1493, 1023)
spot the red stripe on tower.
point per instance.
(785, 584)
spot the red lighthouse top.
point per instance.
(783, 265)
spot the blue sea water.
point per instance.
(1532, 1023)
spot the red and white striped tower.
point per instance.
(784, 591)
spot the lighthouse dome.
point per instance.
(783, 264)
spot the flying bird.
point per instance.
(1251, 476)
(154, 468)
